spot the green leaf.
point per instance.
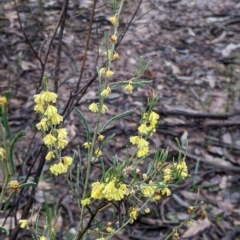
(28, 184)
(5, 121)
(79, 113)
(107, 140)
(8, 200)
(140, 83)
(4, 230)
(115, 118)
(14, 141)
(7, 95)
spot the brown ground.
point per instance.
(195, 53)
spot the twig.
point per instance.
(26, 38)
(197, 115)
(87, 45)
(129, 24)
(50, 45)
(223, 165)
(59, 50)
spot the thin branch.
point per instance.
(50, 44)
(59, 50)
(87, 45)
(26, 38)
(129, 24)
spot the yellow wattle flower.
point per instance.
(49, 140)
(50, 155)
(93, 107)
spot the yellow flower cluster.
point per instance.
(149, 123)
(133, 214)
(110, 191)
(181, 168)
(93, 107)
(49, 113)
(148, 126)
(54, 138)
(151, 191)
(167, 174)
(142, 145)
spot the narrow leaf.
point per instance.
(115, 118)
(14, 141)
(79, 113)
(4, 230)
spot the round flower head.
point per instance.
(143, 129)
(39, 108)
(58, 168)
(98, 152)
(43, 125)
(100, 138)
(106, 91)
(14, 185)
(49, 140)
(142, 143)
(109, 229)
(111, 192)
(3, 101)
(56, 119)
(93, 107)
(109, 73)
(48, 97)
(50, 155)
(85, 201)
(104, 108)
(113, 20)
(102, 71)
(133, 213)
(86, 145)
(129, 87)
(148, 190)
(50, 111)
(23, 223)
(166, 191)
(115, 57)
(62, 143)
(67, 161)
(142, 152)
(38, 99)
(113, 39)
(97, 188)
(134, 140)
(62, 133)
(147, 210)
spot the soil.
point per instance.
(194, 51)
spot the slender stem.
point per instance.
(90, 154)
(6, 181)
